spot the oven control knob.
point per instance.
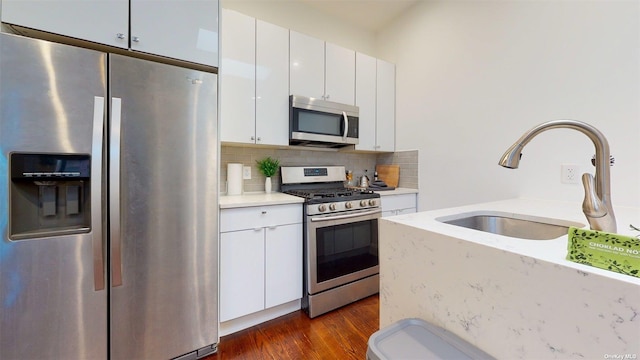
(363, 202)
(322, 208)
(348, 205)
(372, 202)
(332, 207)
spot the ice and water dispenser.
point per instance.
(49, 195)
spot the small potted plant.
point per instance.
(268, 167)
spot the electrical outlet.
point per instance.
(246, 172)
(570, 173)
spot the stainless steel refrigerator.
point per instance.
(108, 205)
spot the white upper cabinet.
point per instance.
(366, 101)
(254, 87)
(184, 30)
(375, 97)
(272, 87)
(306, 66)
(100, 21)
(237, 77)
(340, 74)
(321, 70)
(385, 106)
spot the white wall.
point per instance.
(472, 76)
(305, 19)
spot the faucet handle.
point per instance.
(612, 160)
(592, 205)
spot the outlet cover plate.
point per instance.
(570, 173)
(246, 172)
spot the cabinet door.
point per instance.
(386, 106)
(241, 273)
(283, 263)
(237, 78)
(272, 84)
(185, 30)
(306, 66)
(340, 74)
(366, 101)
(99, 21)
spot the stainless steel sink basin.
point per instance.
(512, 225)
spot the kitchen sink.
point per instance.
(512, 225)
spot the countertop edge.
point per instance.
(397, 191)
(257, 199)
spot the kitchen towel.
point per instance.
(234, 179)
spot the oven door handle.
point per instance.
(349, 216)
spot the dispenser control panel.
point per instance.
(49, 166)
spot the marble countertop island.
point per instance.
(513, 298)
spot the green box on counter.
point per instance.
(604, 250)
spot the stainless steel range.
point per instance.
(340, 237)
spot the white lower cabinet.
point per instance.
(283, 264)
(398, 204)
(260, 258)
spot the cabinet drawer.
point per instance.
(395, 202)
(259, 216)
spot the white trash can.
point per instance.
(410, 339)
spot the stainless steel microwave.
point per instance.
(321, 123)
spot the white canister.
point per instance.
(234, 179)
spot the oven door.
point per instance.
(340, 249)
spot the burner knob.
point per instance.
(322, 208)
(332, 207)
(363, 203)
(348, 205)
(372, 202)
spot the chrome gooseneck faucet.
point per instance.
(597, 191)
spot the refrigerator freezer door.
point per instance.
(53, 303)
(164, 302)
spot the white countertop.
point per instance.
(553, 251)
(513, 298)
(397, 191)
(257, 199)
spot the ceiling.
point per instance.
(370, 15)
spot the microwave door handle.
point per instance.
(346, 125)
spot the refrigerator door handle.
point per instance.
(114, 193)
(97, 237)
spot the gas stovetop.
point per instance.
(318, 196)
(324, 191)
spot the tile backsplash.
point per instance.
(408, 161)
(356, 162)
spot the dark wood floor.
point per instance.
(340, 334)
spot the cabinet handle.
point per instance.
(264, 212)
(120, 36)
(257, 229)
(135, 39)
(259, 139)
(253, 138)
(272, 227)
(326, 97)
